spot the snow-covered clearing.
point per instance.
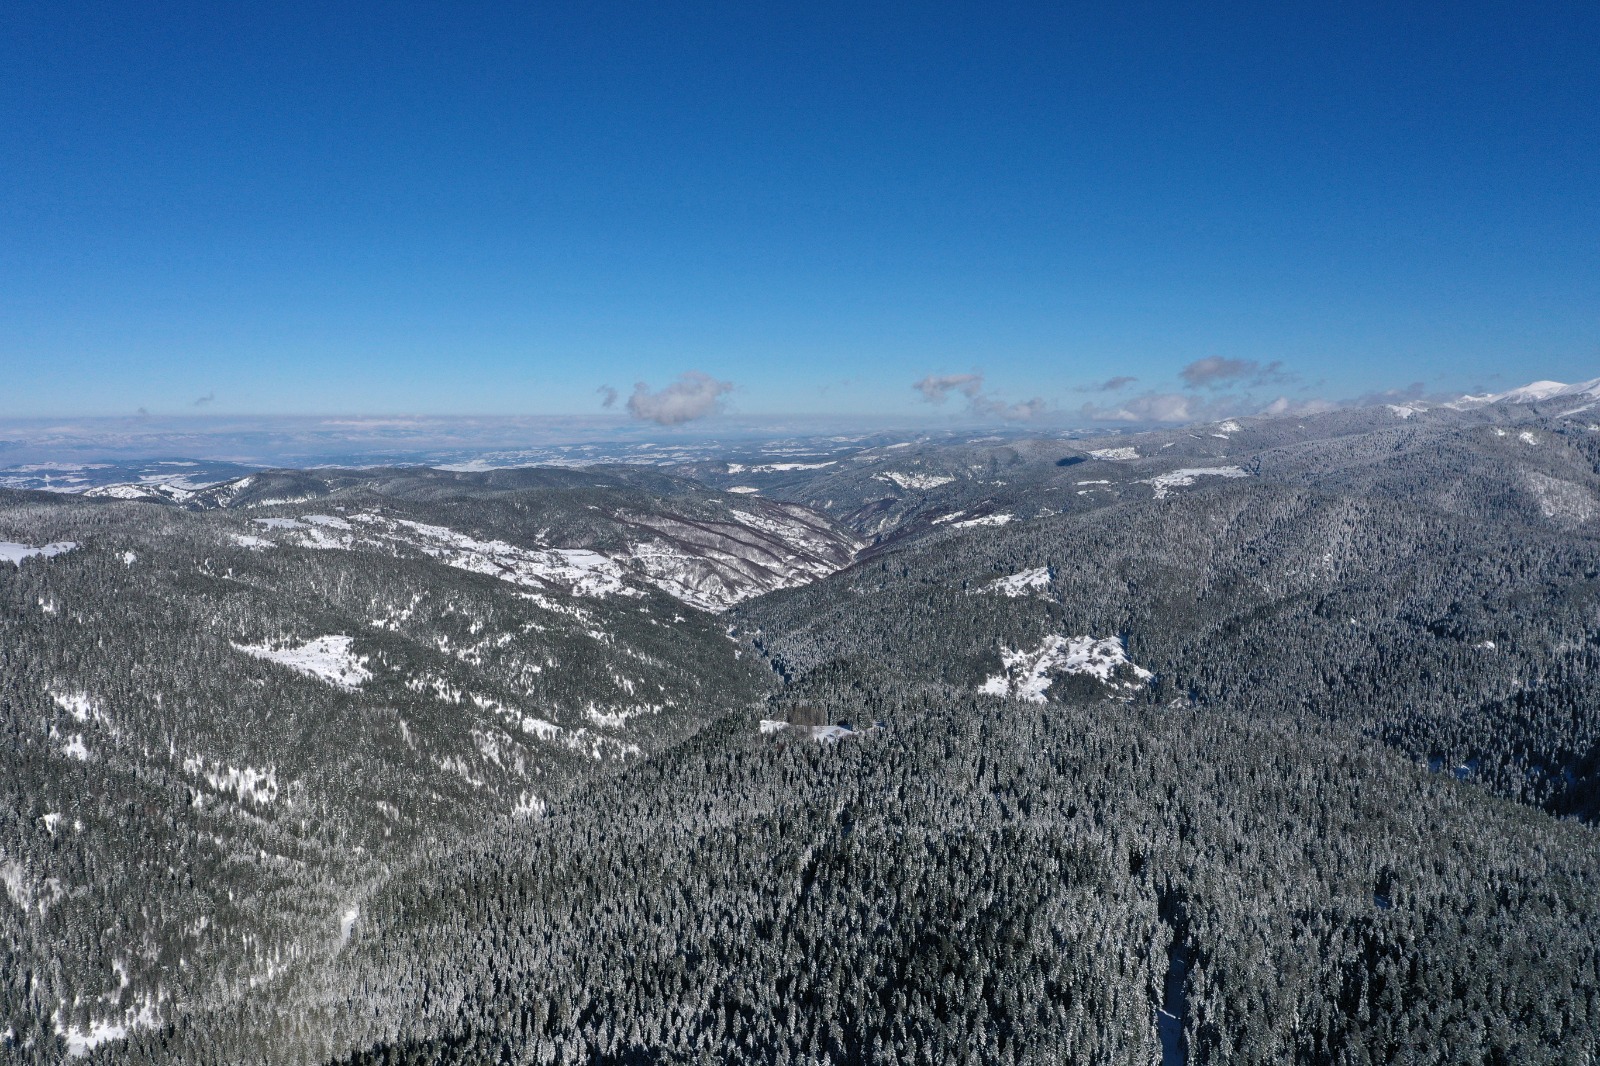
(1027, 674)
(1021, 584)
(914, 481)
(80, 705)
(1115, 453)
(777, 468)
(986, 520)
(81, 1041)
(12, 552)
(822, 734)
(257, 786)
(1165, 483)
(324, 658)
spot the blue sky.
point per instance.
(501, 208)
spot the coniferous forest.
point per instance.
(1277, 742)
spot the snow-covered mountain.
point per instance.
(1533, 392)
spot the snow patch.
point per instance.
(914, 481)
(1565, 502)
(528, 806)
(1115, 454)
(1165, 483)
(327, 659)
(1020, 584)
(1027, 675)
(80, 705)
(986, 520)
(257, 786)
(11, 552)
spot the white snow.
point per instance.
(986, 520)
(744, 489)
(82, 1041)
(12, 552)
(279, 523)
(769, 727)
(1534, 392)
(914, 481)
(75, 748)
(324, 658)
(326, 520)
(1562, 501)
(1230, 426)
(347, 922)
(248, 783)
(1020, 584)
(1164, 483)
(1027, 674)
(583, 572)
(527, 806)
(1115, 453)
(1527, 437)
(1402, 410)
(129, 558)
(775, 468)
(80, 705)
(245, 540)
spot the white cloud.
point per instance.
(937, 389)
(694, 395)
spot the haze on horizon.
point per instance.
(1035, 215)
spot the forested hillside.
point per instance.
(1264, 741)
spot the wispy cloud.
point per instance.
(1217, 371)
(608, 396)
(206, 399)
(1116, 384)
(937, 389)
(694, 395)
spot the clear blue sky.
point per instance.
(498, 208)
